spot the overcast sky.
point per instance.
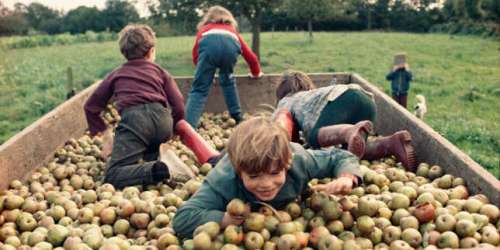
(66, 5)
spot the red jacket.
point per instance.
(246, 52)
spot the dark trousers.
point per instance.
(350, 108)
(401, 99)
(215, 51)
(136, 145)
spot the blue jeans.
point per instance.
(215, 51)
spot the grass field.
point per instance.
(459, 75)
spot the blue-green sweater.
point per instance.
(400, 81)
(223, 184)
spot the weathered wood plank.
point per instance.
(35, 145)
(431, 146)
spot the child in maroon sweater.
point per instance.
(149, 102)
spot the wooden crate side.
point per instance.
(35, 145)
(431, 146)
(254, 91)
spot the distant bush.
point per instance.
(485, 29)
(60, 39)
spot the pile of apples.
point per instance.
(66, 205)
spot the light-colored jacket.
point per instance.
(306, 106)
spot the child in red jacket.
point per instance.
(217, 46)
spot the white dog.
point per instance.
(421, 107)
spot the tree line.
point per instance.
(172, 17)
(37, 18)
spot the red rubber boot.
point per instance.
(203, 151)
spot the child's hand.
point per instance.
(341, 185)
(107, 144)
(257, 76)
(228, 219)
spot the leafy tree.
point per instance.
(381, 14)
(182, 15)
(252, 10)
(310, 11)
(119, 13)
(82, 19)
(13, 22)
(43, 18)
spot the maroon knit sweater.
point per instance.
(137, 81)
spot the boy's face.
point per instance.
(265, 186)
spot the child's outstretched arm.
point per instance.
(409, 76)
(342, 185)
(250, 58)
(96, 104)
(204, 206)
(174, 97)
(390, 76)
(333, 163)
(194, 51)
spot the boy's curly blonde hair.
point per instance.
(136, 40)
(293, 81)
(217, 14)
(258, 145)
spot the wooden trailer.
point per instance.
(35, 145)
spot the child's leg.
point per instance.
(151, 153)
(228, 58)
(231, 95)
(137, 136)
(403, 100)
(351, 107)
(202, 82)
(396, 98)
(123, 168)
(397, 144)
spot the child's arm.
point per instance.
(250, 58)
(204, 206)
(342, 185)
(390, 76)
(331, 162)
(96, 104)
(195, 49)
(174, 97)
(409, 76)
(334, 163)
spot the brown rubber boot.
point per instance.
(398, 144)
(353, 135)
(177, 169)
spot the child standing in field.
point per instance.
(149, 102)
(217, 46)
(400, 77)
(263, 166)
(336, 114)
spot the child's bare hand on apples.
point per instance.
(342, 185)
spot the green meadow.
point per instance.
(459, 75)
